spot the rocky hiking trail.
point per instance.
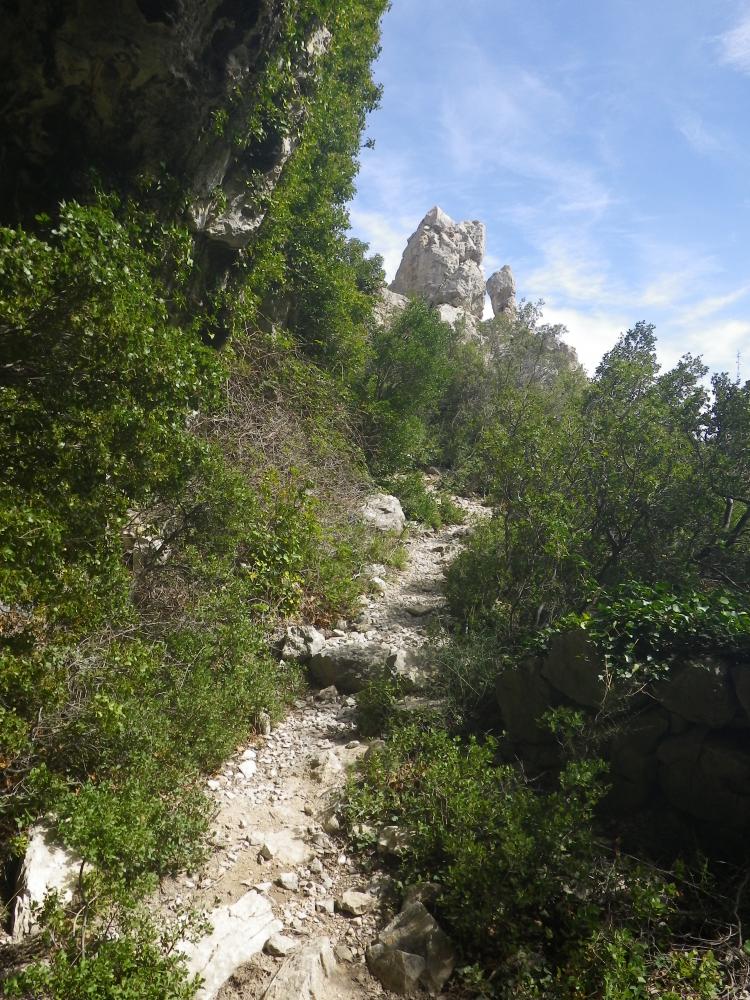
(292, 913)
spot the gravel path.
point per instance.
(275, 838)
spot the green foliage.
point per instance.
(125, 675)
(526, 888)
(466, 665)
(303, 256)
(129, 670)
(406, 377)
(419, 504)
(641, 629)
(95, 390)
(594, 485)
(139, 962)
(376, 704)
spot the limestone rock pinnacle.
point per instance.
(501, 289)
(442, 263)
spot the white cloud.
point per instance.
(510, 121)
(385, 236)
(591, 333)
(735, 45)
(717, 343)
(710, 305)
(703, 139)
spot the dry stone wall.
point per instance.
(681, 743)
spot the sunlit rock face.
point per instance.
(442, 263)
(501, 288)
(152, 94)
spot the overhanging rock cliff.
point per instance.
(153, 96)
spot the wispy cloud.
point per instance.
(592, 334)
(735, 45)
(703, 139)
(385, 236)
(711, 305)
(513, 121)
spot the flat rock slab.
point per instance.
(286, 847)
(308, 974)
(351, 664)
(239, 932)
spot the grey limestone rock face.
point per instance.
(349, 665)
(699, 691)
(501, 288)
(301, 642)
(460, 319)
(442, 263)
(412, 951)
(354, 903)
(392, 841)
(384, 513)
(707, 775)
(388, 305)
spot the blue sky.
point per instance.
(605, 144)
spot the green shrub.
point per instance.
(404, 382)
(137, 962)
(640, 629)
(376, 704)
(419, 504)
(96, 388)
(526, 888)
(466, 665)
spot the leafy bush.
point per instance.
(95, 391)
(465, 669)
(419, 504)
(376, 704)
(641, 629)
(136, 962)
(404, 382)
(624, 478)
(525, 886)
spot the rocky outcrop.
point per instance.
(388, 305)
(442, 263)
(501, 288)
(412, 952)
(350, 664)
(48, 868)
(238, 932)
(308, 974)
(681, 743)
(158, 98)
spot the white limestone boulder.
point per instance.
(47, 868)
(239, 932)
(384, 513)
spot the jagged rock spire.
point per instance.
(501, 288)
(442, 263)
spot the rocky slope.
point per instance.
(156, 88)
